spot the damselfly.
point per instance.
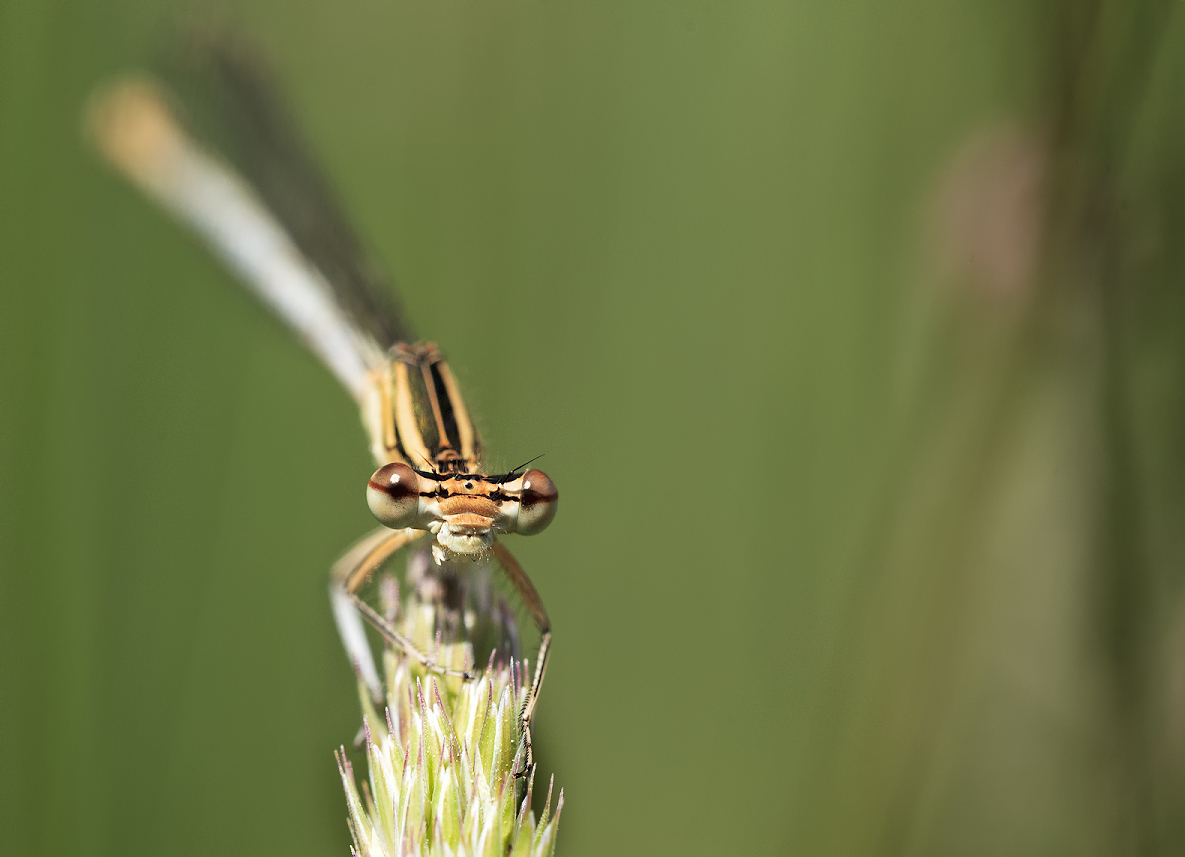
(252, 193)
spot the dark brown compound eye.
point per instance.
(537, 503)
(393, 495)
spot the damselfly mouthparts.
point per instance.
(252, 193)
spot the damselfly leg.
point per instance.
(462, 603)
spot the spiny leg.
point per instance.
(534, 605)
(529, 706)
(345, 579)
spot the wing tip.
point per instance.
(131, 124)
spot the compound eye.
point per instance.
(537, 503)
(393, 495)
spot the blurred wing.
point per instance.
(236, 173)
(235, 107)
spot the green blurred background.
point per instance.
(853, 333)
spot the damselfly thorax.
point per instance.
(430, 456)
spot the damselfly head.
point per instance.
(463, 510)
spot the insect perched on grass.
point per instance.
(255, 197)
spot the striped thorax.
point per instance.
(429, 455)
